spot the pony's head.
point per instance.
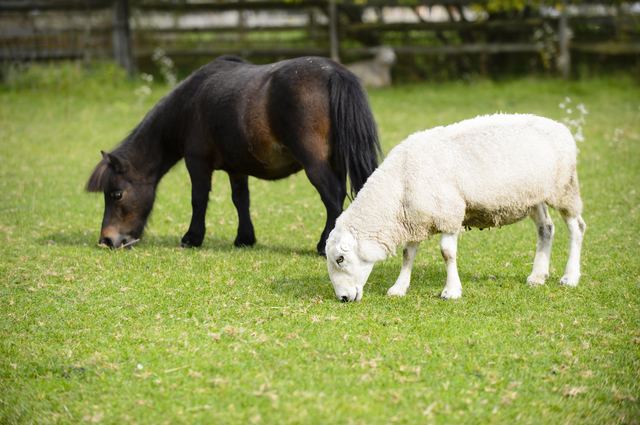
(128, 200)
(347, 270)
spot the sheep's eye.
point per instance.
(116, 196)
(339, 259)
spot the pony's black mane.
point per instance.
(231, 59)
(142, 143)
(101, 177)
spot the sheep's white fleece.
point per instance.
(483, 172)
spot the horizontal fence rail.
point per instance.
(130, 31)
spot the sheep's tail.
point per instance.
(356, 147)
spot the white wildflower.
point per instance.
(582, 109)
(143, 91)
(574, 125)
(167, 67)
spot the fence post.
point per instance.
(122, 36)
(564, 59)
(333, 31)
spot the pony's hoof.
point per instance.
(242, 242)
(189, 242)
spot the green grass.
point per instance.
(159, 334)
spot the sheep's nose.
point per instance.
(344, 298)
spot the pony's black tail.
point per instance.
(354, 131)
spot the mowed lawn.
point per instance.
(219, 335)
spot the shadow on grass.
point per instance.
(426, 281)
(77, 239)
(219, 245)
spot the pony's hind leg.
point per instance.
(545, 230)
(240, 196)
(332, 193)
(577, 228)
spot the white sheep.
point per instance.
(484, 172)
(375, 72)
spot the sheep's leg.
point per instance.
(545, 229)
(449, 248)
(404, 279)
(576, 228)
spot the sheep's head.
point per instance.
(348, 272)
(386, 55)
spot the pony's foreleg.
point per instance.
(200, 175)
(332, 194)
(240, 196)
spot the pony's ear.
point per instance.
(120, 165)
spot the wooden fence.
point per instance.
(129, 30)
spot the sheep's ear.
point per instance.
(346, 243)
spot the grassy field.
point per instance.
(160, 335)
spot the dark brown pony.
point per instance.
(265, 121)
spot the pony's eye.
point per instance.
(116, 196)
(339, 259)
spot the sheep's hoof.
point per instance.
(569, 280)
(535, 280)
(450, 294)
(396, 292)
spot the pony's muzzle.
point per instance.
(112, 243)
(107, 242)
(113, 239)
